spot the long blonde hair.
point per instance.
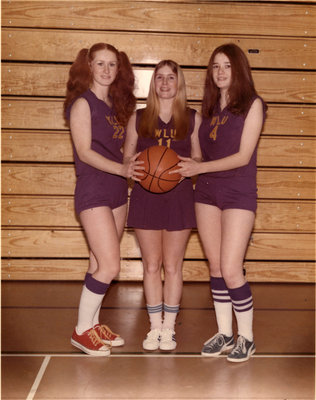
(180, 111)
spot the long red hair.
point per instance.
(241, 91)
(121, 90)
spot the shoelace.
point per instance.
(218, 341)
(107, 332)
(94, 337)
(240, 346)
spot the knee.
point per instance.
(152, 266)
(233, 279)
(172, 268)
(215, 268)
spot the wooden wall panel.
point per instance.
(244, 18)
(35, 114)
(26, 179)
(58, 212)
(273, 86)
(149, 48)
(132, 270)
(57, 147)
(41, 243)
(39, 43)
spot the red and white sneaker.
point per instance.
(107, 336)
(89, 342)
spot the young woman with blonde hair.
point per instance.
(163, 222)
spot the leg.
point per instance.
(101, 231)
(209, 221)
(119, 215)
(209, 226)
(150, 242)
(236, 229)
(174, 245)
(103, 238)
(237, 226)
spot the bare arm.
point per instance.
(129, 152)
(80, 126)
(196, 153)
(249, 139)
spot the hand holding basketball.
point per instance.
(187, 167)
(158, 162)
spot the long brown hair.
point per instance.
(121, 90)
(180, 111)
(241, 90)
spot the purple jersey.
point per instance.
(164, 136)
(173, 210)
(94, 187)
(220, 137)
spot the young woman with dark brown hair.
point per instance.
(226, 193)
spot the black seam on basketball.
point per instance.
(154, 176)
(148, 174)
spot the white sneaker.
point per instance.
(167, 340)
(152, 340)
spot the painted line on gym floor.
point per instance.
(51, 355)
(38, 378)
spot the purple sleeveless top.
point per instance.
(163, 136)
(220, 137)
(173, 210)
(96, 188)
(107, 134)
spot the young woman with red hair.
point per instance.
(226, 193)
(99, 102)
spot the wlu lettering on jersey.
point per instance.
(118, 129)
(215, 123)
(165, 136)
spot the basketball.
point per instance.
(158, 162)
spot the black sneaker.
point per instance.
(242, 351)
(217, 345)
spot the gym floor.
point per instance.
(38, 361)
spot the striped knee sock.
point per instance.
(90, 302)
(155, 316)
(170, 315)
(243, 308)
(223, 306)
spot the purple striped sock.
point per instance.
(241, 298)
(219, 290)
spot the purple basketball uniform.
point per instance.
(96, 188)
(173, 210)
(220, 136)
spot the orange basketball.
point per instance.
(158, 162)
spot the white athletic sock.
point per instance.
(96, 316)
(170, 315)
(223, 306)
(155, 316)
(224, 317)
(243, 309)
(89, 304)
